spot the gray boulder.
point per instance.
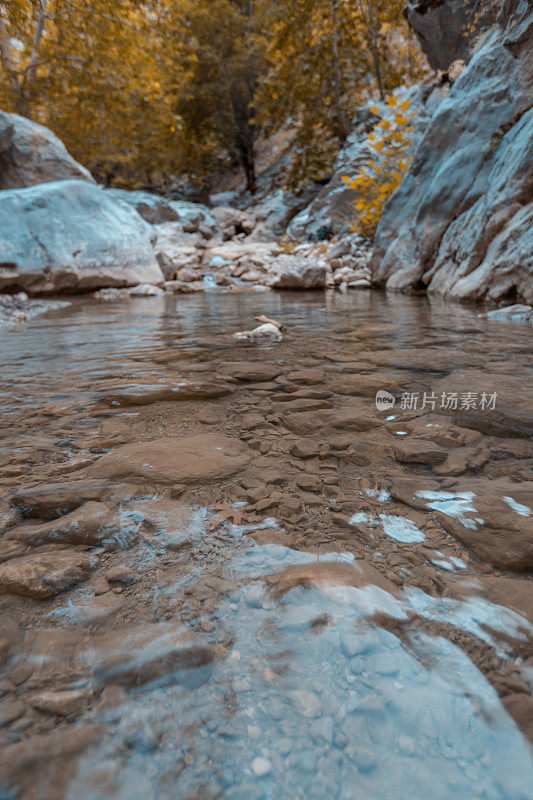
(460, 224)
(70, 236)
(156, 210)
(31, 154)
(293, 272)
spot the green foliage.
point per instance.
(379, 178)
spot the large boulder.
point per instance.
(31, 154)
(460, 224)
(293, 272)
(70, 236)
(193, 217)
(332, 211)
(447, 29)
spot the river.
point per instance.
(226, 573)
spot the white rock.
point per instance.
(261, 767)
(146, 290)
(266, 331)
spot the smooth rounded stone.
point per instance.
(294, 405)
(309, 483)
(322, 729)
(63, 703)
(363, 385)
(146, 290)
(370, 705)
(261, 767)
(363, 758)
(305, 703)
(51, 500)
(42, 575)
(305, 448)
(199, 459)
(352, 643)
(121, 574)
(284, 746)
(330, 421)
(91, 524)
(140, 394)
(419, 451)
(309, 377)
(252, 371)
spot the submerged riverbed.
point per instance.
(226, 573)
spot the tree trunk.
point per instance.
(377, 67)
(7, 57)
(343, 124)
(372, 26)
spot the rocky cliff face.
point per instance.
(461, 223)
(447, 29)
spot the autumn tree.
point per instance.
(325, 58)
(87, 70)
(214, 57)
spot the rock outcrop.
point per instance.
(31, 154)
(70, 236)
(461, 222)
(447, 29)
(193, 217)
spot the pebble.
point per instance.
(261, 767)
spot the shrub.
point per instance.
(379, 178)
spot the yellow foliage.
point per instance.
(379, 178)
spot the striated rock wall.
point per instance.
(460, 224)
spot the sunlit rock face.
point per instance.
(31, 154)
(69, 236)
(460, 224)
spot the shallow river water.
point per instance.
(227, 572)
